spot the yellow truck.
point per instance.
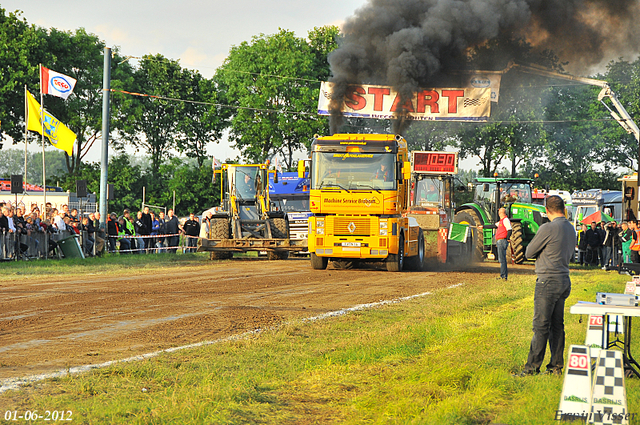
(359, 192)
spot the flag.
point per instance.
(458, 232)
(59, 135)
(56, 84)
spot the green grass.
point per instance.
(445, 358)
(109, 264)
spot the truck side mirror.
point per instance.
(301, 169)
(407, 171)
(485, 187)
(275, 177)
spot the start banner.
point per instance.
(382, 102)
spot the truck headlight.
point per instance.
(320, 231)
(383, 228)
(320, 223)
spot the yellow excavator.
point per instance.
(247, 220)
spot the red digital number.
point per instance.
(578, 361)
(595, 320)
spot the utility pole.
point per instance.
(104, 160)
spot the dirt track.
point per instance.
(51, 324)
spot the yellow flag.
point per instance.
(59, 134)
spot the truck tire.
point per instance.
(319, 263)
(343, 264)
(516, 241)
(476, 247)
(395, 262)
(417, 261)
(219, 229)
(278, 255)
(279, 228)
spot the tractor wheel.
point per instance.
(219, 229)
(417, 262)
(395, 262)
(319, 263)
(278, 255)
(279, 228)
(517, 246)
(475, 239)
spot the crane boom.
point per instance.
(622, 116)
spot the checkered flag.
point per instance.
(468, 102)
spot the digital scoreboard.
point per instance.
(435, 162)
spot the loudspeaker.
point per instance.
(16, 183)
(81, 188)
(111, 191)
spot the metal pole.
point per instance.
(104, 161)
(44, 180)
(26, 132)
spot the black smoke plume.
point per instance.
(410, 44)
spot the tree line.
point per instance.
(263, 100)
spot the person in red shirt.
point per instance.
(503, 235)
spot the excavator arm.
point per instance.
(621, 116)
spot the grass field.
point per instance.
(445, 358)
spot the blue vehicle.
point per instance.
(291, 195)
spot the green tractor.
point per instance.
(490, 194)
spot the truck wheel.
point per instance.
(279, 228)
(278, 255)
(517, 246)
(343, 264)
(319, 263)
(417, 262)
(475, 242)
(395, 262)
(219, 229)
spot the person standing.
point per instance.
(160, 244)
(625, 241)
(635, 242)
(172, 227)
(581, 244)
(593, 242)
(503, 236)
(552, 247)
(191, 230)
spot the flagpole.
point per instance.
(44, 180)
(26, 132)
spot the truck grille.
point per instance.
(352, 226)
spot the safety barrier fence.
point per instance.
(152, 244)
(14, 246)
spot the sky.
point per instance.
(199, 33)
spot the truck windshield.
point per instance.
(428, 192)
(247, 179)
(515, 192)
(353, 171)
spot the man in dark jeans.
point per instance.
(593, 244)
(172, 227)
(552, 247)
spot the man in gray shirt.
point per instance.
(552, 247)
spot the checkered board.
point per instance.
(609, 398)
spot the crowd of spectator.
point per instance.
(142, 232)
(607, 244)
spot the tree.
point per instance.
(81, 56)
(150, 123)
(202, 123)
(23, 47)
(272, 84)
